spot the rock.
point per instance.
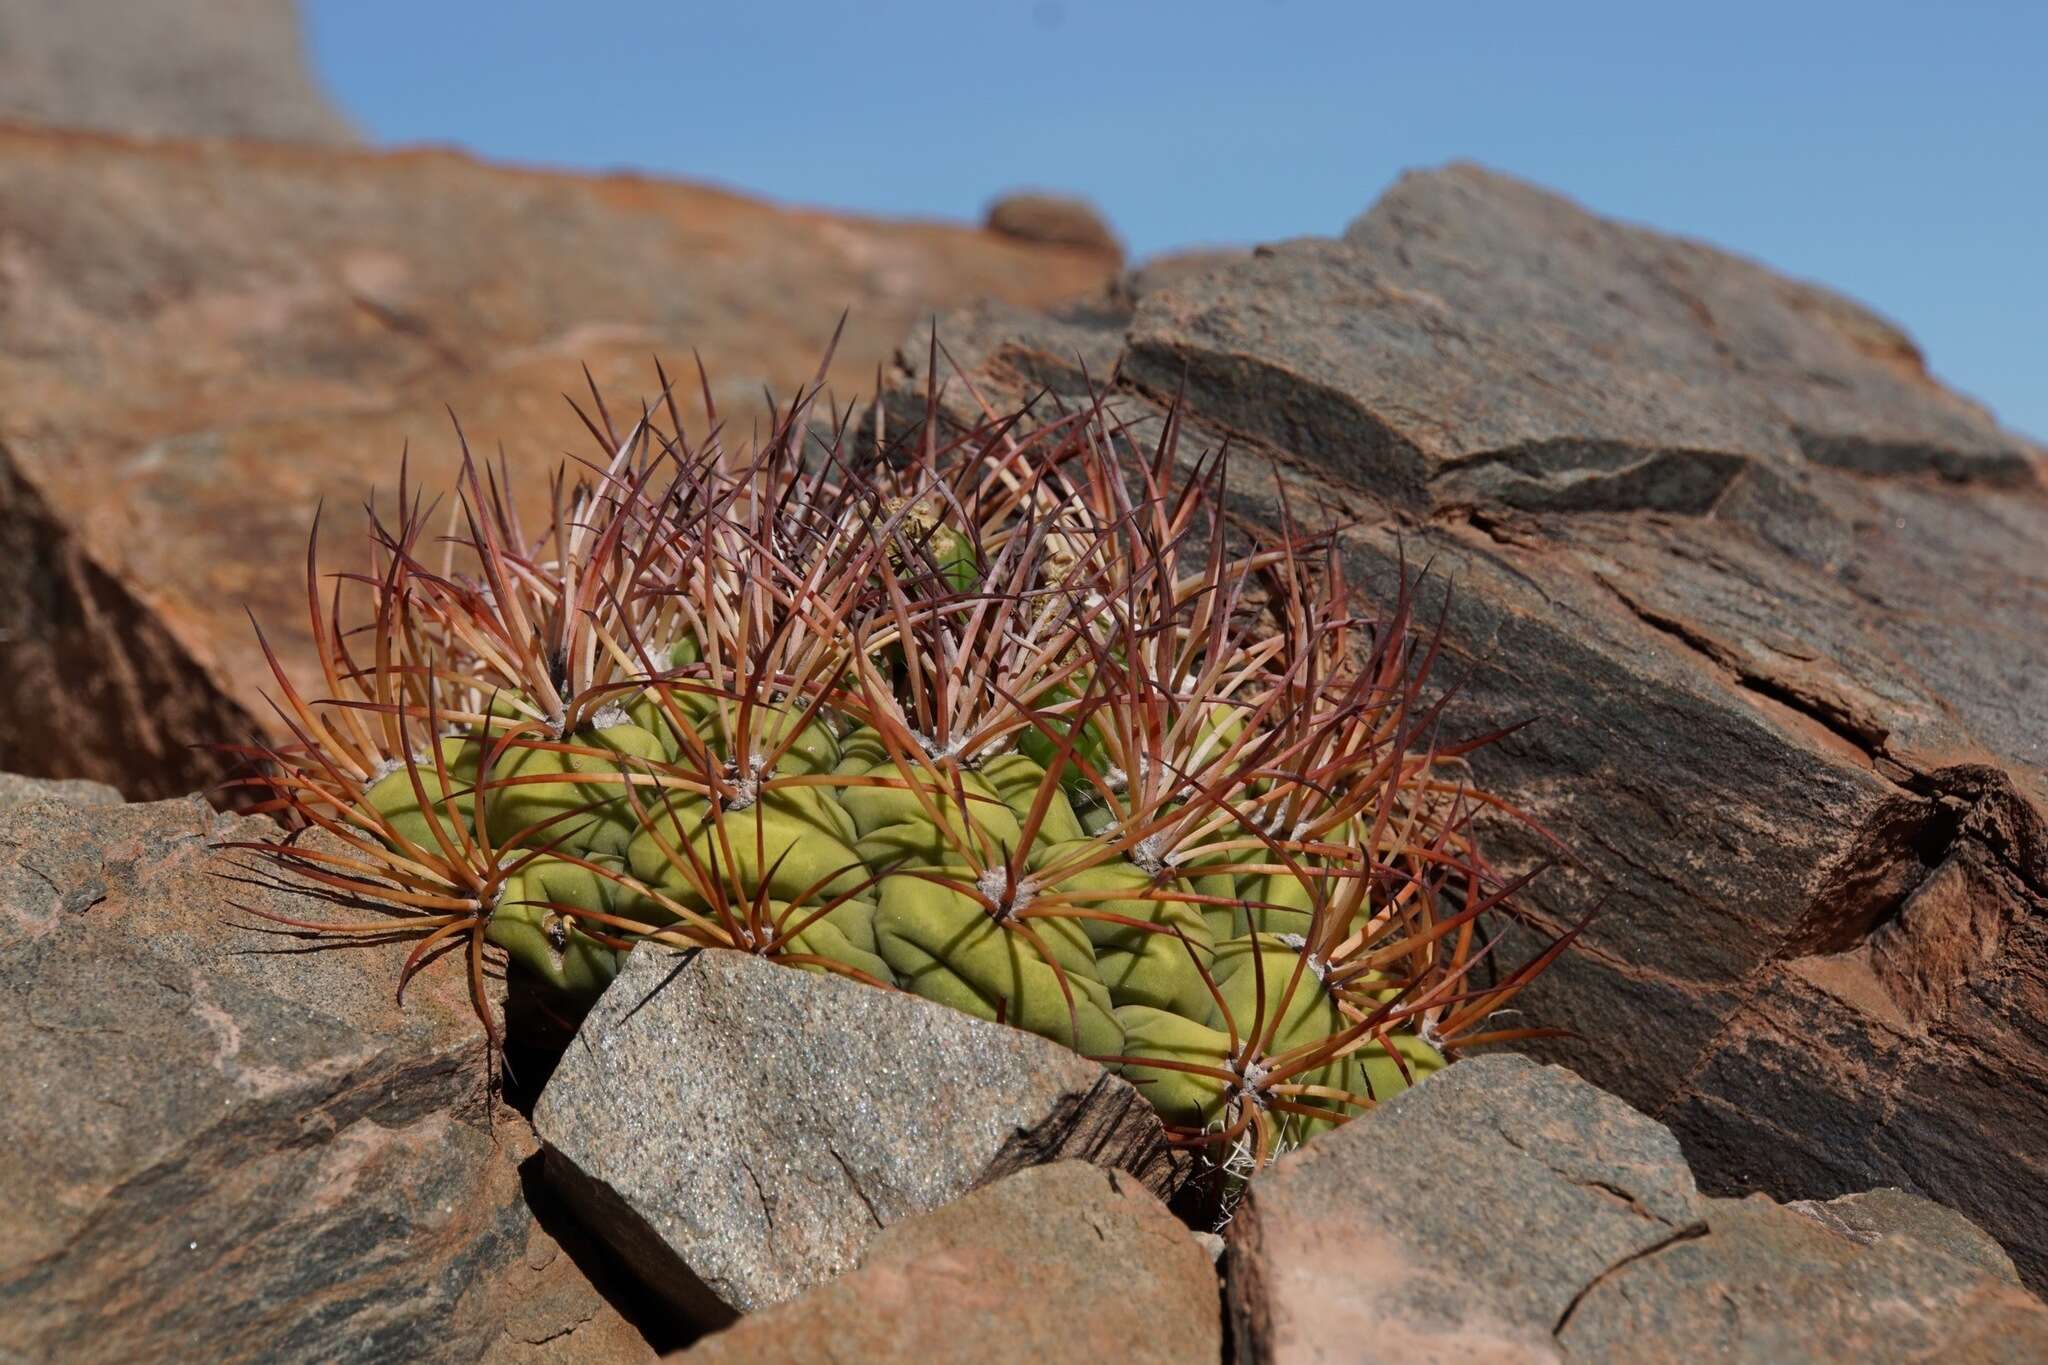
(1769, 1286)
(1463, 1218)
(219, 1142)
(1864, 1218)
(201, 341)
(1510, 1211)
(1156, 272)
(1055, 219)
(1061, 1262)
(206, 68)
(95, 680)
(1770, 596)
(740, 1131)
(16, 790)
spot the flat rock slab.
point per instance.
(1065, 1262)
(740, 1131)
(222, 1143)
(1507, 1211)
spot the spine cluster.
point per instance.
(1016, 720)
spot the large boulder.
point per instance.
(199, 341)
(1510, 1211)
(742, 1130)
(223, 1142)
(1059, 1262)
(1771, 595)
(187, 68)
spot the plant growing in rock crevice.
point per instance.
(1011, 719)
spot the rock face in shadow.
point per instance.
(201, 341)
(93, 681)
(222, 1143)
(181, 68)
(1060, 1262)
(1771, 595)
(1512, 1212)
(741, 1130)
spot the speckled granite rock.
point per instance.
(740, 1131)
(1507, 1211)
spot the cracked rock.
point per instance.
(1064, 1262)
(740, 1131)
(1771, 596)
(1507, 1211)
(224, 1143)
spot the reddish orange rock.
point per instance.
(201, 341)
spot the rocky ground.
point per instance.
(1771, 596)
(235, 1145)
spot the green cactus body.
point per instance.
(954, 554)
(1252, 975)
(692, 709)
(896, 826)
(1017, 779)
(943, 944)
(1041, 748)
(859, 751)
(813, 750)
(1096, 817)
(1376, 1064)
(1160, 968)
(1212, 873)
(454, 801)
(792, 841)
(1186, 1098)
(547, 943)
(844, 934)
(597, 817)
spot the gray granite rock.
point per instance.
(1768, 1286)
(1460, 1220)
(1065, 1262)
(1509, 1211)
(740, 1131)
(223, 1143)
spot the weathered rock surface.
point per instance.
(193, 68)
(16, 790)
(90, 679)
(741, 1131)
(201, 341)
(1774, 599)
(1507, 1211)
(1061, 1262)
(220, 1143)
(1054, 218)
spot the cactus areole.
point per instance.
(1009, 716)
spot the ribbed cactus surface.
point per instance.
(1011, 717)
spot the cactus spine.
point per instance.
(1007, 718)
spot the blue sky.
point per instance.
(1896, 152)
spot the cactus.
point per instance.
(1006, 716)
